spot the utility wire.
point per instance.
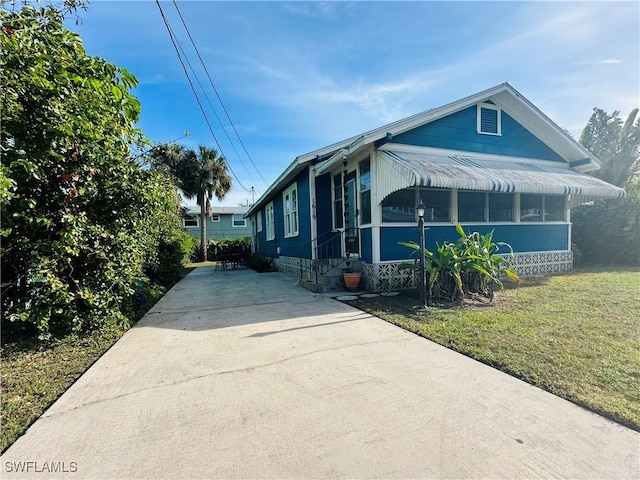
(204, 114)
(195, 75)
(216, 91)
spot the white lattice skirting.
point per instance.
(291, 265)
(379, 277)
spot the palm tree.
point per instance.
(201, 174)
(616, 144)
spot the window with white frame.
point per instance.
(215, 217)
(290, 210)
(338, 214)
(239, 221)
(259, 220)
(270, 222)
(365, 191)
(190, 221)
(542, 208)
(489, 119)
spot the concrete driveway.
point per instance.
(236, 374)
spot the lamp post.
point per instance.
(420, 208)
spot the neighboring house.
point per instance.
(491, 161)
(223, 223)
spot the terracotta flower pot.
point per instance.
(352, 280)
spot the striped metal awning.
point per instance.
(398, 170)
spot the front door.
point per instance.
(350, 214)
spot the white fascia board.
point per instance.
(292, 170)
(400, 148)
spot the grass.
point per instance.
(34, 375)
(575, 335)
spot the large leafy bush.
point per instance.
(607, 232)
(80, 217)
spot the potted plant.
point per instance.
(351, 278)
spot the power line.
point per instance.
(204, 114)
(195, 75)
(216, 91)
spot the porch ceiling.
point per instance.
(398, 170)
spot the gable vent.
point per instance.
(489, 119)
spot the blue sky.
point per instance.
(297, 76)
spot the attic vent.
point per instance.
(489, 119)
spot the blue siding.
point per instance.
(523, 238)
(458, 132)
(366, 247)
(324, 206)
(298, 246)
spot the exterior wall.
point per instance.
(324, 205)
(223, 229)
(366, 245)
(522, 237)
(298, 246)
(458, 131)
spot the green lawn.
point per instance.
(575, 335)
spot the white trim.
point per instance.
(488, 106)
(193, 217)
(215, 217)
(259, 221)
(270, 222)
(233, 221)
(288, 217)
(313, 218)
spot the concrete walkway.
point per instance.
(242, 375)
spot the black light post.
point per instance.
(423, 274)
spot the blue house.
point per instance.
(490, 161)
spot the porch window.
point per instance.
(437, 203)
(338, 216)
(190, 221)
(471, 206)
(553, 208)
(365, 191)
(239, 221)
(290, 210)
(400, 207)
(541, 208)
(500, 207)
(270, 223)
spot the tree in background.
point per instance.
(608, 231)
(80, 218)
(615, 144)
(200, 175)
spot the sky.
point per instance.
(297, 76)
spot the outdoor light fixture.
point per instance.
(420, 208)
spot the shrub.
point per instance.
(261, 264)
(470, 266)
(607, 232)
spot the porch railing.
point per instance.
(328, 246)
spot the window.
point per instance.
(365, 191)
(400, 206)
(190, 221)
(489, 119)
(553, 208)
(259, 220)
(436, 203)
(500, 207)
(215, 217)
(471, 206)
(270, 222)
(338, 215)
(541, 208)
(239, 221)
(290, 210)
